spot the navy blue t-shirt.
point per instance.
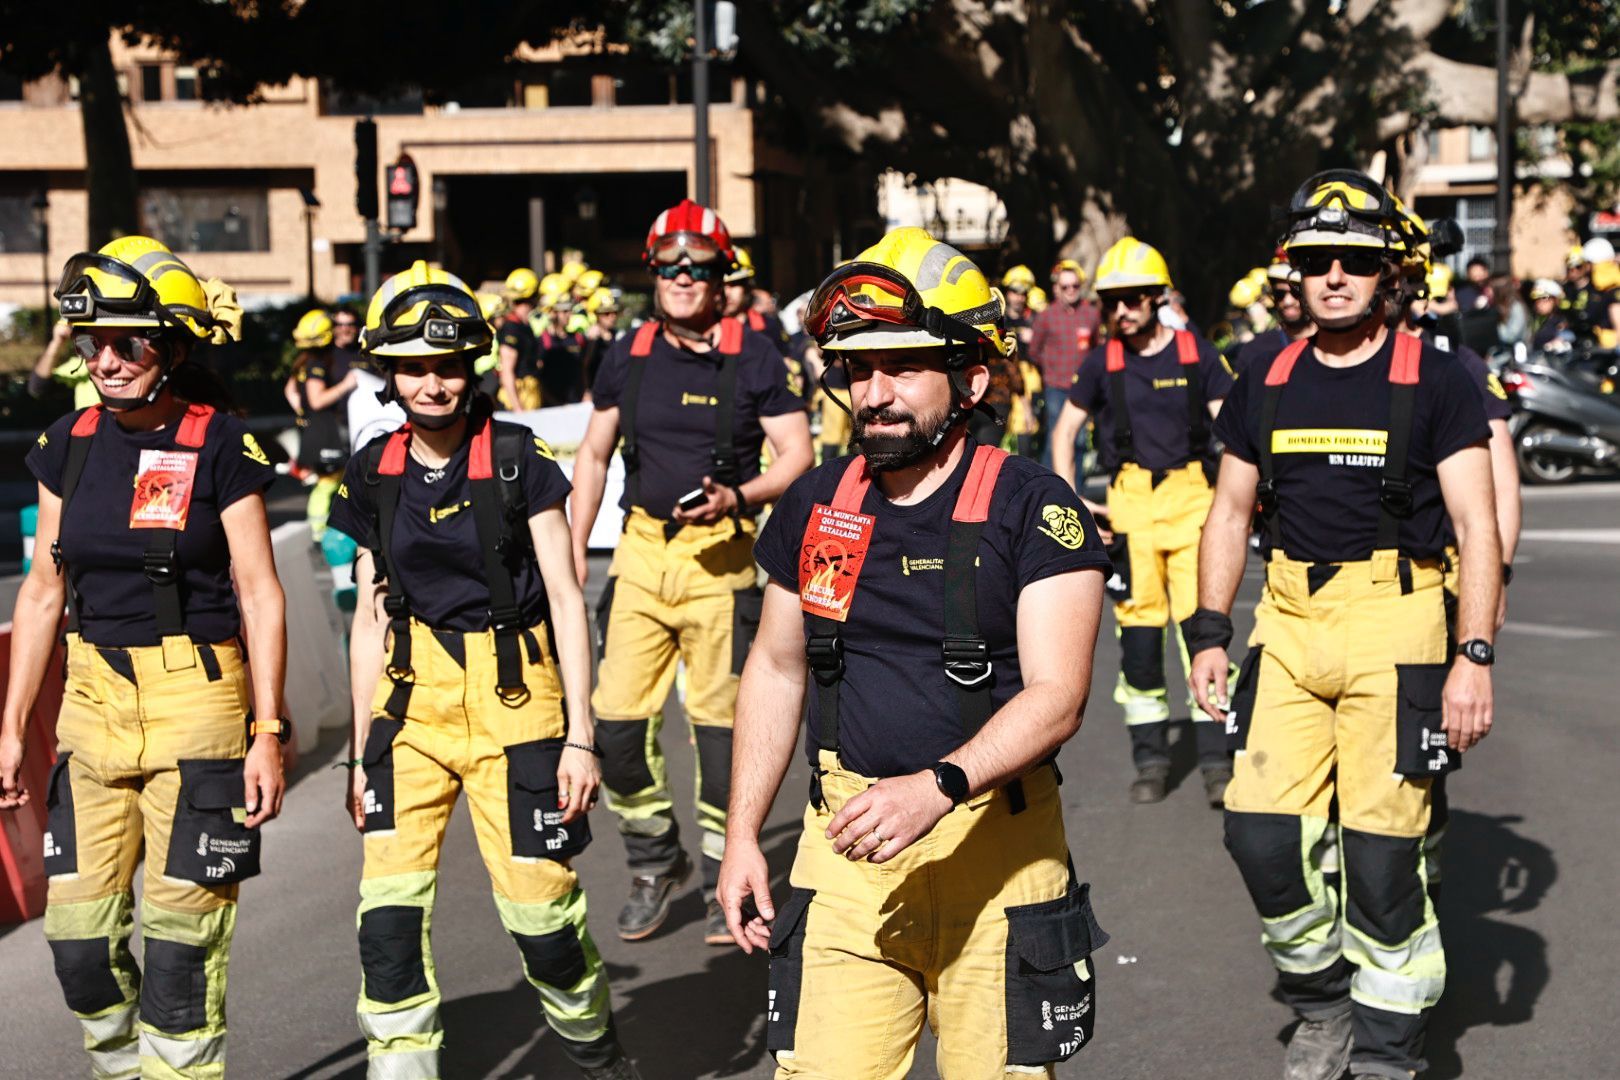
(898, 711)
(1156, 391)
(1261, 348)
(676, 412)
(516, 333)
(105, 556)
(1328, 449)
(435, 548)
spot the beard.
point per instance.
(885, 453)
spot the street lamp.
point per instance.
(311, 204)
(41, 207)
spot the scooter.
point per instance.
(1566, 415)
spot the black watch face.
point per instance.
(952, 781)
(1480, 652)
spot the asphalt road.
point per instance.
(1530, 881)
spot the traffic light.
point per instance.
(365, 167)
(403, 190)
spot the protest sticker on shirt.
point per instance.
(835, 543)
(163, 486)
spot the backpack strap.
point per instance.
(1282, 365)
(1395, 488)
(824, 648)
(1124, 441)
(756, 321)
(630, 404)
(723, 460)
(385, 471)
(492, 470)
(1197, 406)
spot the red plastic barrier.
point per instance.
(22, 832)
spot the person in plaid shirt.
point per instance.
(1063, 333)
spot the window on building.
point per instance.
(208, 219)
(11, 87)
(1431, 139)
(568, 86)
(1481, 144)
(642, 87)
(185, 84)
(18, 233)
(151, 82)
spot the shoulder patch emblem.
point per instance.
(543, 449)
(251, 449)
(1492, 383)
(1062, 523)
(42, 440)
(343, 491)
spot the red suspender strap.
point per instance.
(731, 337)
(394, 451)
(973, 501)
(852, 486)
(1115, 354)
(756, 321)
(643, 343)
(1283, 364)
(194, 426)
(478, 454)
(87, 422)
(1403, 366)
(1187, 348)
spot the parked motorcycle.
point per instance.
(1566, 414)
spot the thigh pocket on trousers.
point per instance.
(209, 844)
(61, 832)
(745, 611)
(531, 796)
(1118, 584)
(378, 761)
(1421, 749)
(786, 971)
(1241, 714)
(1051, 982)
(604, 612)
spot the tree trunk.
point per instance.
(109, 169)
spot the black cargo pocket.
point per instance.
(745, 611)
(1118, 585)
(531, 798)
(1243, 692)
(1051, 982)
(604, 611)
(209, 843)
(378, 761)
(61, 832)
(1421, 749)
(786, 971)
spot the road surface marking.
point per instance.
(1573, 536)
(1567, 633)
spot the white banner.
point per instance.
(563, 428)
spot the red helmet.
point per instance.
(687, 230)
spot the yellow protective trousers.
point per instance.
(458, 733)
(978, 929)
(1157, 518)
(686, 594)
(150, 743)
(1343, 679)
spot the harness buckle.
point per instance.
(160, 567)
(967, 660)
(1266, 496)
(725, 467)
(511, 467)
(826, 657)
(631, 456)
(396, 608)
(1395, 496)
(56, 556)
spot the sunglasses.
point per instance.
(350, 325)
(1071, 285)
(130, 348)
(1356, 262)
(1130, 298)
(694, 271)
(1283, 292)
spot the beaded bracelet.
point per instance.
(582, 746)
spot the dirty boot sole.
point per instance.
(648, 906)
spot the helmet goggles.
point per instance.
(443, 322)
(671, 249)
(1342, 207)
(860, 293)
(96, 286)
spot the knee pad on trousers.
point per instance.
(174, 987)
(714, 764)
(391, 958)
(1142, 656)
(84, 967)
(624, 755)
(1384, 897)
(1266, 848)
(556, 959)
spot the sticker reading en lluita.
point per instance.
(163, 485)
(835, 543)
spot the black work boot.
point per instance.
(1319, 1049)
(1215, 780)
(621, 1069)
(650, 895)
(1150, 784)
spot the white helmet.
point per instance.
(1598, 250)
(1546, 289)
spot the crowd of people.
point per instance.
(921, 608)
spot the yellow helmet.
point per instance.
(314, 330)
(1344, 208)
(1070, 266)
(1131, 264)
(136, 281)
(572, 269)
(588, 282)
(424, 311)
(602, 302)
(1438, 280)
(492, 306)
(1037, 299)
(521, 284)
(907, 291)
(1248, 291)
(1576, 256)
(743, 269)
(552, 284)
(1020, 277)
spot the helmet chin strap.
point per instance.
(130, 404)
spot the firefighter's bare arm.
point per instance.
(507, 375)
(366, 644)
(770, 701)
(579, 773)
(1057, 632)
(1466, 484)
(1222, 550)
(1509, 504)
(33, 632)
(1064, 433)
(590, 480)
(264, 625)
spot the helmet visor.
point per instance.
(93, 283)
(858, 294)
(671, 249)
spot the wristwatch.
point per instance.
(1507, 573)
(952, 781)
(1479, 651)
(280, 727)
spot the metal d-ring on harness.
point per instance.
(500, 514)
(1395, 489)
(723, 458)
(964, 652)
(158, 562)
(1197, 408)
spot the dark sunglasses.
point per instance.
(694, 271)
(345, 324)
(1357, 262)
(1129, 297)
(1283, 292)
(131, 348)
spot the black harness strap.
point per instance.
(385, 470)
(492, 473)
(78, 453)
(1124, 438)
(1197, 406)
